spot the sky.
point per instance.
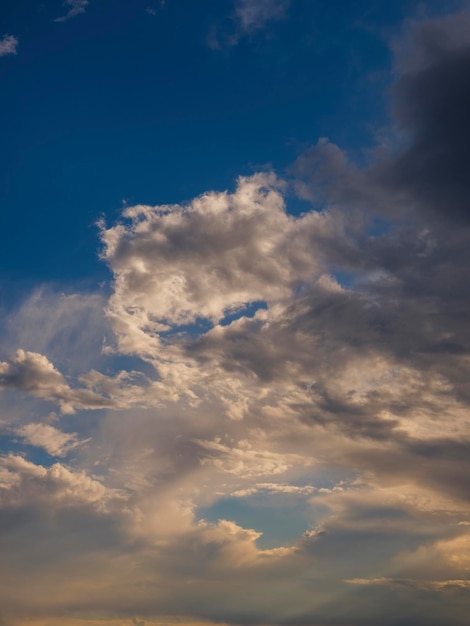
(234, 295)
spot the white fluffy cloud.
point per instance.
(175, 265)
(217, 254)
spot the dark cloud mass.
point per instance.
(319, 361)
(432, 106)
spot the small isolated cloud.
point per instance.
(8, 45)
(75, 7)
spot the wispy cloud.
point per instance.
(45, 436)
(248, 17)
(8, 45)
(427, 585)
(75, 7)
(151, 10)
(254, 14)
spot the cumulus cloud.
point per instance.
(26, 484)
(366, 374)
(174, 265)
(8, 45)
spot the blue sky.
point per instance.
(119, 105)
(234, 300)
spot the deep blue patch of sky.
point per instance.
(117, 105)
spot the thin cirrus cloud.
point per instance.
(254, 14)
(248, 17)
(317, 349)
(74, 8)
(8, 45)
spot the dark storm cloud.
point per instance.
(429, 170)
(432, 104)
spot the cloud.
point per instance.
(75, 7)
(274, 488)
(357, 360)
(175, 265)
(70, 328)
(431, 102)
(8, 45)
(245, 460)
(254, 14)
(26, 484)
(35, 374)
(248, 17)
(55, 442)
(320, 359)
(429, 585)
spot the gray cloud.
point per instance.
(432, 98)
(34, 373)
